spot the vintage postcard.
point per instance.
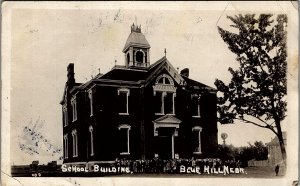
(149, 93)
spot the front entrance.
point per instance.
(164, 147)
(165, 143)
(165, 130)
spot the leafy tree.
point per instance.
(257, 91)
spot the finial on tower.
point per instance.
(165, 52)
(136, 28)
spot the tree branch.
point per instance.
(248, 121)
(262, 126)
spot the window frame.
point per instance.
(128, 127)
(198, 97)
(75, 143)
(127, 91)
(65, 115)
(90, 95)
(199, 130)
(74, 108)
(66, 147)
(164, 89)
(91, 130)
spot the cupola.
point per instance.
(137, 49)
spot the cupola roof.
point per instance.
(136, 38)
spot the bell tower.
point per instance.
(136, 49)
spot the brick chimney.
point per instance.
(185, 72)
(70, 75)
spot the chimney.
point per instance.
(70, 70)
(185, 72)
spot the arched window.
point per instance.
(75, 143)
(92, 140)
(196, 137)
(65, 115)
(139, 56)
(124, 137)
(164, 93)
(74, 108)
(66, 146)
(91, 102)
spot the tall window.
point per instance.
(92, 140)
(169, 103)
(74, 108)
(75, 143)
(65, 115)
(196, 105)
(196, 137)
(91, 102)
(159, 99)
(124, 137)
(123, 94)
(164, 95)
(66, 148)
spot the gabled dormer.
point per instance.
(137, 49)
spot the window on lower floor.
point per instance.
(75, 143)
(124, 139)
(91, 140)
(66, 150)
(196, 137)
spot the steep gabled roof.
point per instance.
(140, 75)
(195, 85)
(65, 91)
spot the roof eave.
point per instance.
(135, 45)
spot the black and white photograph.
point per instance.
(155, 93)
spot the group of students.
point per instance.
(157, 165)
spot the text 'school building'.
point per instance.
(138, 111)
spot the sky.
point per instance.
(45, 41)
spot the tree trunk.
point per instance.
(281, 140)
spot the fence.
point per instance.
(261, 163)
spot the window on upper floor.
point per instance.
(91, 130)
(65, 115)
(123, 94)
(66, 146)
(196, 137)
(124, 139)
(90, 92)
(164, 95)
(195, 105)
(74, 108)
(75, 143)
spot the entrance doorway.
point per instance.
(165, 143)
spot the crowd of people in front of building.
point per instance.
(157, 165)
